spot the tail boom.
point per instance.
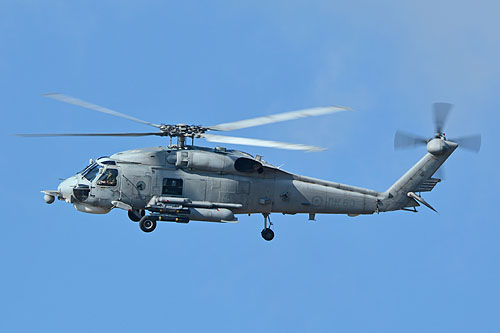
(396, 197)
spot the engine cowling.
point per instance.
(205, 161)
(244, 164)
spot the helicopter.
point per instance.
(182, 182)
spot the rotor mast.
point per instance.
(180, 141)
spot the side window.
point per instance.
(108, 178)
(172, 186)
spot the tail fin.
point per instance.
(417, 179)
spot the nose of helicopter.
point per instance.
(66, 188)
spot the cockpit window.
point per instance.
(108, 178)
(91, 172)
(87, 168)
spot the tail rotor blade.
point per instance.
(441, 111)
(407, 140)
(472, 142)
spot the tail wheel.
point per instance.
(147, 224)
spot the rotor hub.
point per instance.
(437, 146)
(182, 130)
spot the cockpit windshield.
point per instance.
(87, 168)
(91, 171)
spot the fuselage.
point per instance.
(132, 178)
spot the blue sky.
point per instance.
(207, 62)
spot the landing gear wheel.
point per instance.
(136, 214)
(267, 234)
(147, 224)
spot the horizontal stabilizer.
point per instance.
(421, 200)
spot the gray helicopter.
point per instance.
(183, 182)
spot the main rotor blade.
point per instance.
(274, 118)
(407, 140)
(87, 105)
(41, 135)
(259, 143)
(441, 111)
(471, 142)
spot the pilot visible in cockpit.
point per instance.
(109, 178)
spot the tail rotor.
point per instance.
(441, 112)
